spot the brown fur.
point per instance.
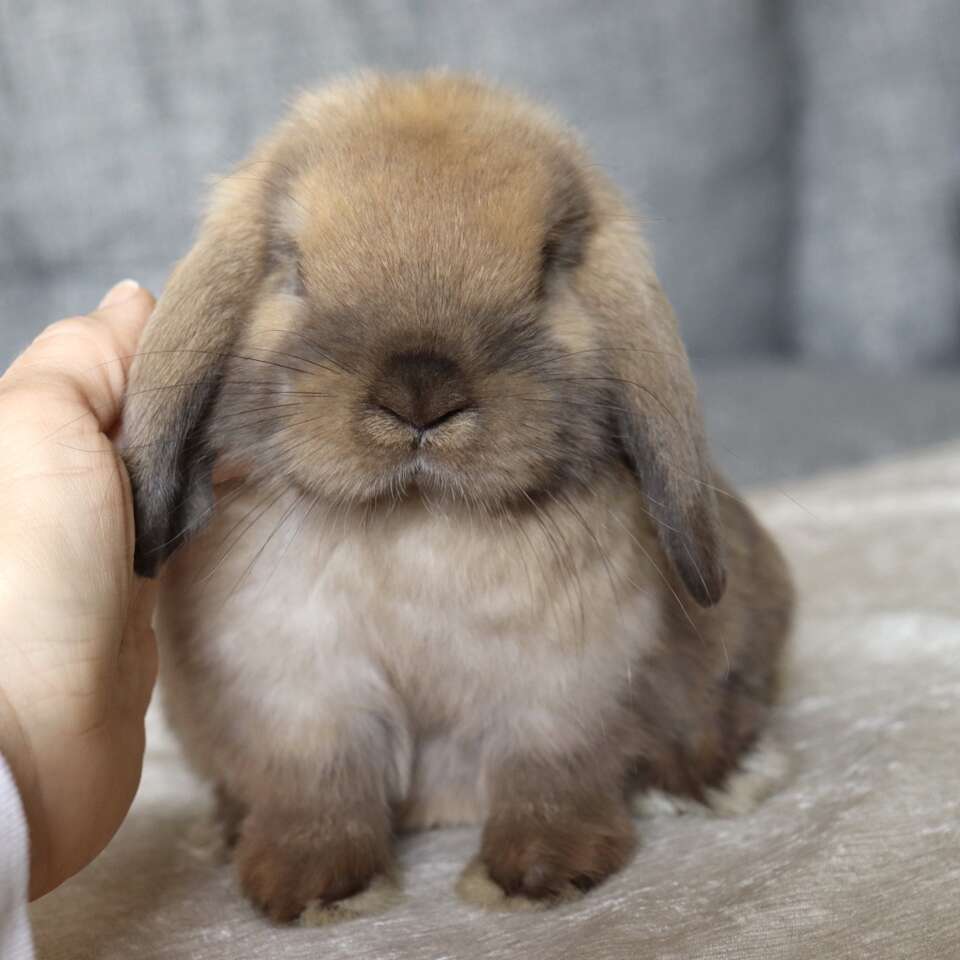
(551, 827)
(288, 858)
(499, 578)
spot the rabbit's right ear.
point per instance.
(658, 422)
(176, 375)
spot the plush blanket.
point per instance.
(857, 857)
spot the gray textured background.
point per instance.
(798, 160)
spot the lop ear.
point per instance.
(658, 417)
(178, 371)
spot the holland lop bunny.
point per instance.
(474, 564)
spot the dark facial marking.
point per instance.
(421, 388)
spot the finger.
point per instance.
(126, 308)
(226, 471)
(143, 599)
(138, 655)
(139, 673)
(87, 358)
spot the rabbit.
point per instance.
(417, 454)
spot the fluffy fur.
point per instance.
(475, 564)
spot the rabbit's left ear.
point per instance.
(659, 424)
(179, 369)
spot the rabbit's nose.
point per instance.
(422, 389)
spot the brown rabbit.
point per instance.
(478, 566)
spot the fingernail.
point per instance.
(118, 293)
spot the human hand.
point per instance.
(77, 655)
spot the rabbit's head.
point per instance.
(418, 287)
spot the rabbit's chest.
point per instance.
(426, 614)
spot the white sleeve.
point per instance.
(15, 940)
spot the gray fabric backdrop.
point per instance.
(799, 161)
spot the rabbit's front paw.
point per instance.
(286, 864)
(549, 853)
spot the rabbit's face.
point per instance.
(418, 286)
(426, 343)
